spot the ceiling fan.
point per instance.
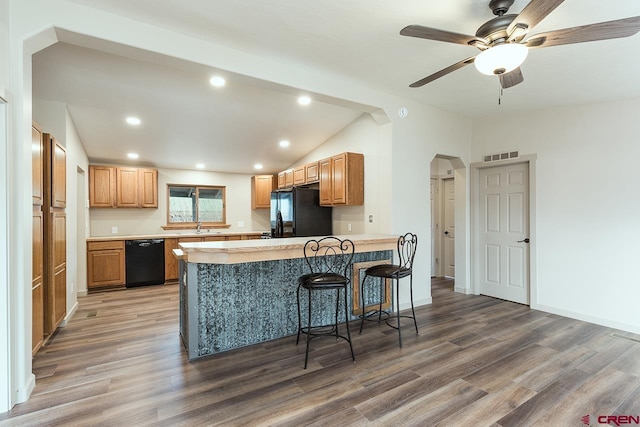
(503, 40)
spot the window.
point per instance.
(191, 204)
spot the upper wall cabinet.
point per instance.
(261, 188)
(122, 187)
(342, 180)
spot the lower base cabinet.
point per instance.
(105, 264)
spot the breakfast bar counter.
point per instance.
(239, 293)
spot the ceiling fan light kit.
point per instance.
(504, 41)
(501, 59)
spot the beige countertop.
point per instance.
(172, 235)
(238, 251)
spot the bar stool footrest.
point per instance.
(395, 317)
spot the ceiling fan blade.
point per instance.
(511, 78)
(440, 35)
(531, 15)
(443, 72)
(587, 33)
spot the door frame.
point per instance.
(5, 295)
(441, 215)
(475, 223)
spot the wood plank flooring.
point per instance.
(477, 361)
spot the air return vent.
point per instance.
(509, 155)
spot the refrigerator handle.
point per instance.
(279, 225)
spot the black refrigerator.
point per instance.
(296, 212)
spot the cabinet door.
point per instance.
(339, 183)
(37, 276)
(127, 187)
(325, 182)
(105, 268)
(312, 173)
(36, 164)
(281, 180)
(55, 285)
(261, 187)
(170, 261)
(58, 175)
(288, 178)
(148, 188)
(102, 186)
(299, 176)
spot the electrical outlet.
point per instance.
(240, 224)
(349, 227)
(370, 218)
(114, 230)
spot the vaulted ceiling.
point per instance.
(184, 118)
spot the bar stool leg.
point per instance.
(415, 323)
(346, 322)
(337, 309)
(362, 302)
(398, 309)
(306, 355)
(299, 317)
(382, 280)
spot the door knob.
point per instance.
(525, 240)
(446, 233)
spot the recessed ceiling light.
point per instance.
(133, 155)
(200, 166)
(257, 166)
(217, 81)
(284, 143)
(133, 121)
(304, 100)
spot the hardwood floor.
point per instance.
(477, 361)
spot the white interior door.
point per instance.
(434, 224)
(504, 226)
(448, 225)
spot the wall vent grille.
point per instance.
(509, 155)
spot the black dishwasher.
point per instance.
(144, 262)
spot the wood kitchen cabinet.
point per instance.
(312, 173)
(299, 177)
(54, 221)
(342, 180)
(261, 188)
(37, 281)
(170, 261)
(37, 169)
(56, 171)
(105, 264)
(285, 179)
(122, 187)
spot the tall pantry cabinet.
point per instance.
(49, 277)
(37, 275)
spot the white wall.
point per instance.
(5, 299)
(364, 136)
(588, 226)
(150, 221)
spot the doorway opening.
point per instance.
(447, 184)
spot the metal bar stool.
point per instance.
(329, 260)
(407, 245)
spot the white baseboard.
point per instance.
(69, 315)
(83, 293)
(416, 303)
(635, 329)
(23, 393)
(465, 291)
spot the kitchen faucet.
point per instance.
(199, 227)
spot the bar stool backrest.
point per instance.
(329, 255)
(407, 246)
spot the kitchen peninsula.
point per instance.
(238, 293)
